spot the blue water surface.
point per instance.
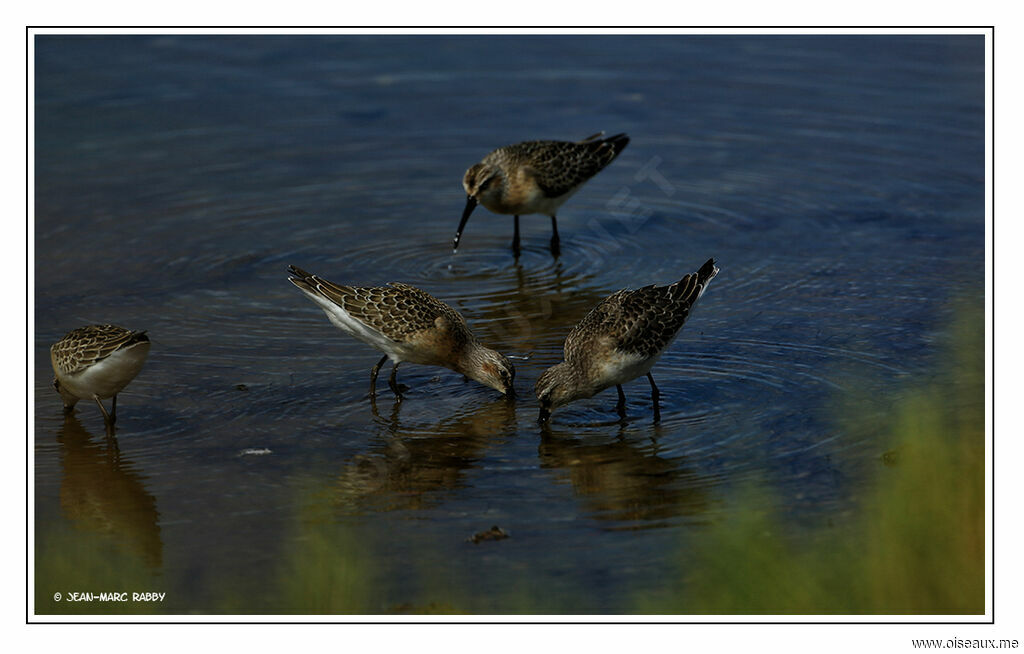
(837, 180)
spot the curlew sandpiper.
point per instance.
(619, 340)
(97, 362)
(407, 324)
(536, 177)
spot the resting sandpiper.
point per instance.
(96, 362)
(536, 177)
(619, 340)
(407, 324)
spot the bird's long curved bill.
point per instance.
(545, 415)
(470, 205)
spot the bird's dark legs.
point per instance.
(396, 388)
(556, 248)
(373, 376)
(515, 238)
(113, 409)
(555, 243)
(393, 382)
(108, 421)
(621, 406)
(103, 409)
(655, 396)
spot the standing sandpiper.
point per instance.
(96, 362)
(536, 177)
(619, 340)
(407, 324)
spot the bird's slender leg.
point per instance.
(621, 406)
(555, 243)
(655, 396)
(393, 382)
(373, 377)
(515, 238)
(106, 416)
(113, 409)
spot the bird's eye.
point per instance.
(487, 182)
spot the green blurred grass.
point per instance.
(70, 560)
(915, 545)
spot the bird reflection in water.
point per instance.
(412, 465)
(627, 482)
(103, 493)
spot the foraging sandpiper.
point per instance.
(536, 177)
(96, 362)
(407, 324)
(619, 340)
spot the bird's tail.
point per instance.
(609, 147)
(691, 287)
(707, 272)
(616, 143)
(137, 337)
(304, 280)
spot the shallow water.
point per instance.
(838, 181)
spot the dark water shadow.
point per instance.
(102, 492)
(625, 482)
(411, 465)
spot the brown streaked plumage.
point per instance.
(619, 340)
(97, 362)
(407, 324)
(535, 177)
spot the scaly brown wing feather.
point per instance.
(398, 311)
(560, 166)
(641, 322)
(84, 346)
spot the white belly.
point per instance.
(106, 378)
(621, 368)
(529, 200)
(540, 203)
(346, 323)
(547, 206)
